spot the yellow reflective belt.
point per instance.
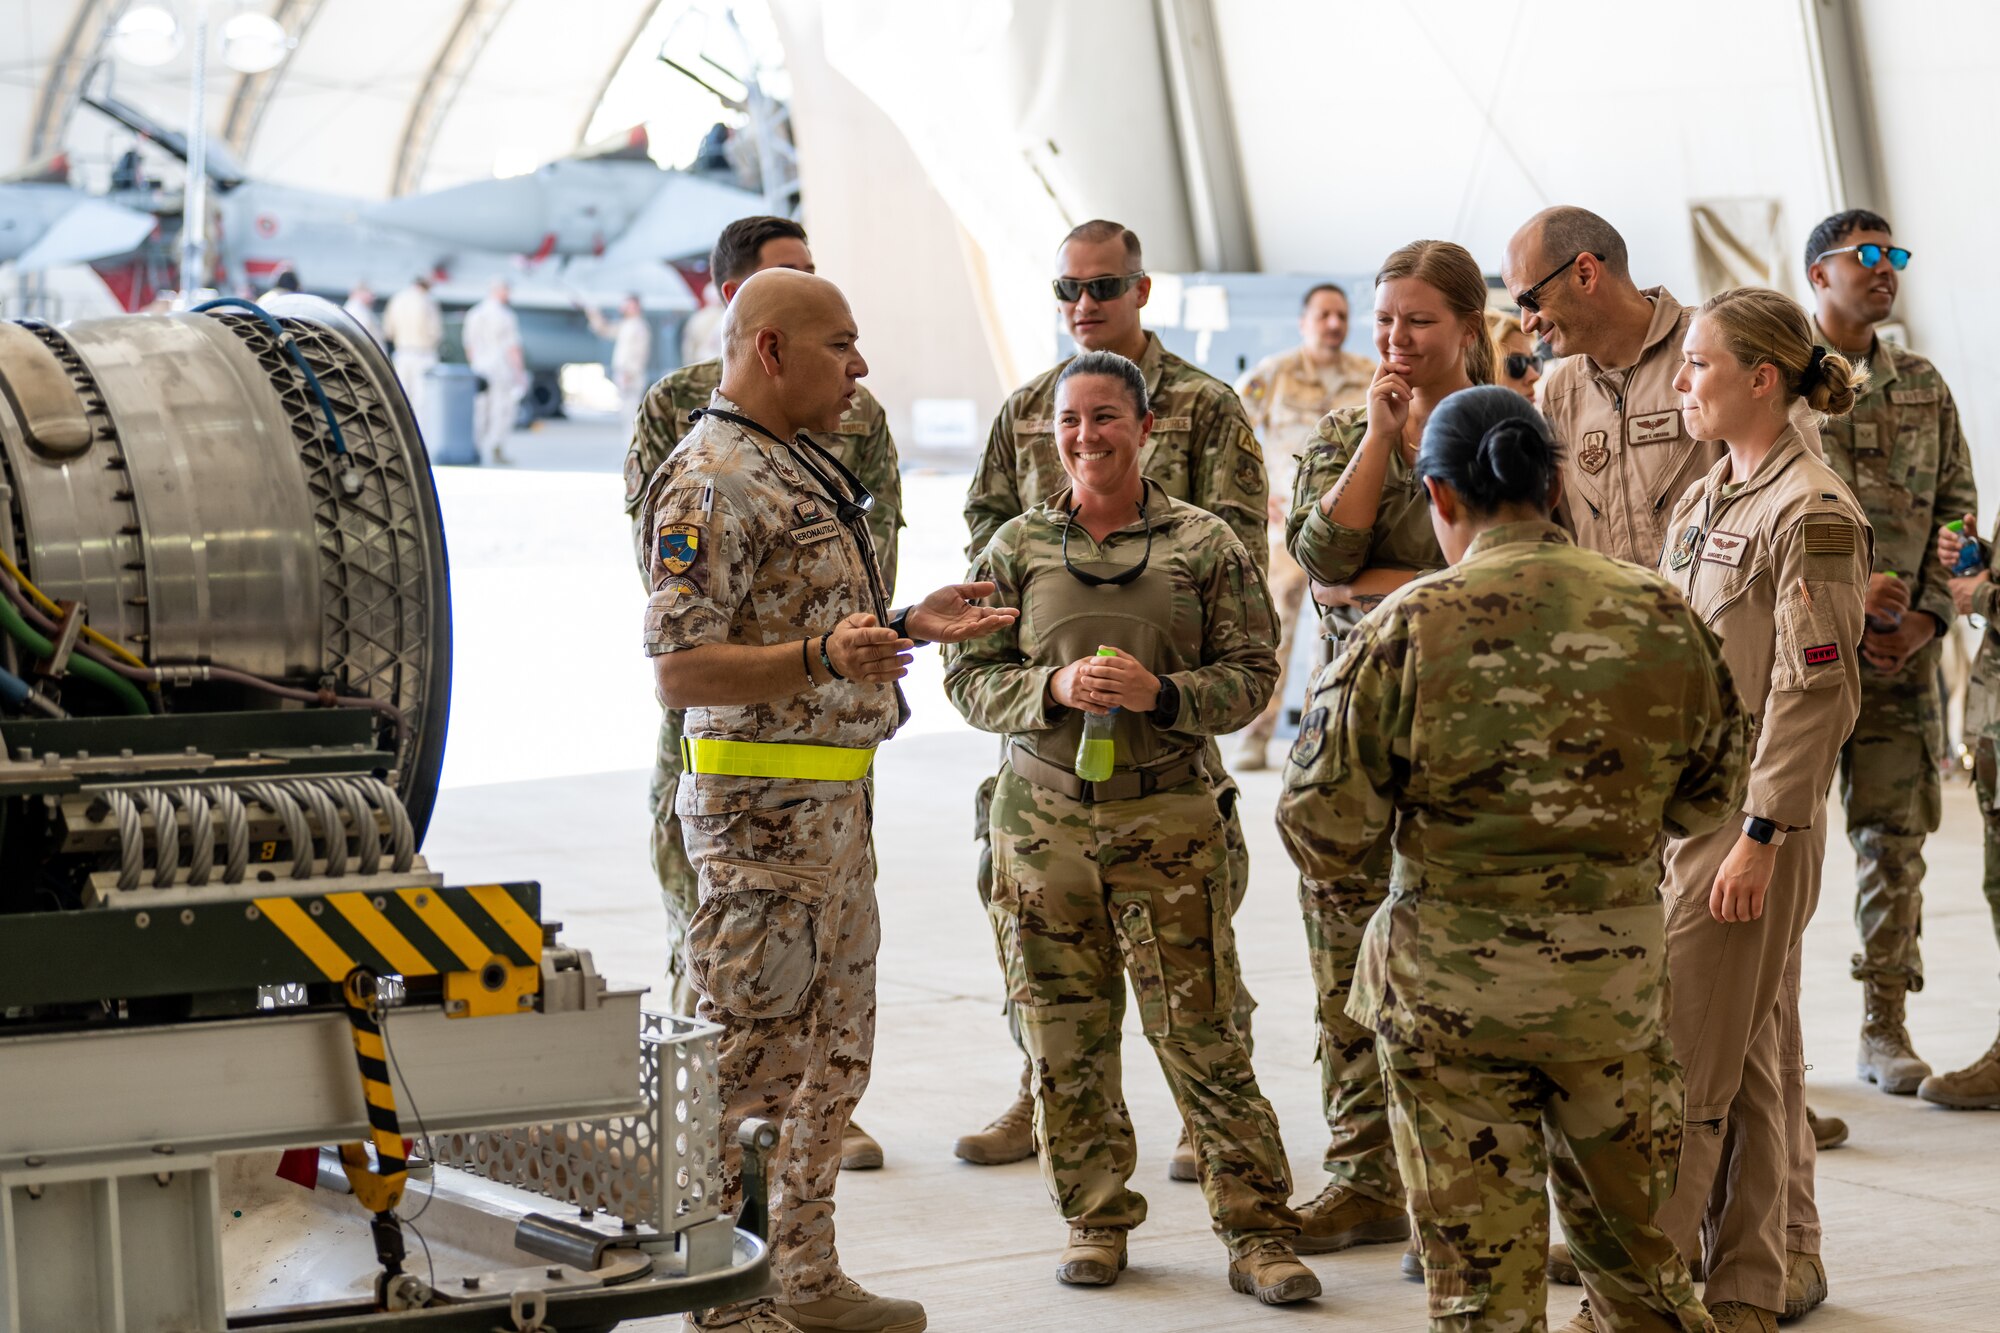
(761, 759)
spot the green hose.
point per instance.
(15, 624)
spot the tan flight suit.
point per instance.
(1627, 456)
(1285, 395)
(1777, 567)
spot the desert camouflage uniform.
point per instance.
(1285, 395)
(1360, 1153)
(1775, 565)
(1527, 723)
(1086, 893)
(861, 442)
(1903, 453)
(781, 949)
(1203, 451)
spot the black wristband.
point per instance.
(805, 659)
(828, 661)
(900, 622)
(1168, 706)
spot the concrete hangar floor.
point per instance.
(1911, 1204)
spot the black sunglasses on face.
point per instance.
(1100, 289)
(1532, 303)
(1518, 363)
(1123, 576)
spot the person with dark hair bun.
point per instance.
(1773, 553)
(1532, 723)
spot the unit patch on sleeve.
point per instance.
(679, 547)
(1653, 429)
(1821, 654)
(1312, 737)
(635, 477)
(1725, 548)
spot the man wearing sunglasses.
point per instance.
(1902, 450)
(1286, 394)
(1202, 450)
(861, 441)
(1626, 455)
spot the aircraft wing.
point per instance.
(87, 230)
(683, 218)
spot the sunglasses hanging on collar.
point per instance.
(1123, 576)
(850, 506)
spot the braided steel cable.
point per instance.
(201, 833)
(280, 803)
(158, 803)
(131, 835)
(315, 798)
(402, 837)
(367, 835)
(235, 832)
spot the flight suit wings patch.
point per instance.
(1653, 429)
(1725, 548)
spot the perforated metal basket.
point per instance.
(661, 1168)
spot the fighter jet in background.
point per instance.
(585, 230)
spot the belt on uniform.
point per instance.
(776, 759)
(1125, 785)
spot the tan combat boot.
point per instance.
(1828, 1131)
(1974, 1088)
(1252, 756)
(1737, 1317)
(858, 1150)
(1583, 1321)
(1338, 1219)
(1886, 1058)
(1805, 1283)
(1184, 1165)
(1271, 1272)
(1561, 1268)
(1094, 1257)
(1011, 1138)
(850, 1309)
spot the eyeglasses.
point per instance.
(1518, 363)
(1100, 289)
(1870, 255)
(1123, 576)
(1531, 303)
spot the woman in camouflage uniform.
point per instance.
(1531, 723)
(1094, 881)
(1361, 529)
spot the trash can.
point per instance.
(445, 416)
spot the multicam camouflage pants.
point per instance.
(678, 890)
(1986, 782)
(1288, 585)
(1890, 784)
(1359, 1152)
(1480, 1141)
(1089, 895)
(781, 952)
(1236, 851)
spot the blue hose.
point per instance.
(13, 689)
(285, 341)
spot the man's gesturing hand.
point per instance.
(868, 653)
(951, 615)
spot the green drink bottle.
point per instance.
(1097, 755)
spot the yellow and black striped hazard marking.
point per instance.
(380, 1190)
(485, 941)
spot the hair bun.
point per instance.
(1510, 450)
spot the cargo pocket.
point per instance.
(753, 946)
(1138, 941)
(1003, 908)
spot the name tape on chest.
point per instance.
(1912, 397)
(808, 533)
(1654, 429)
(1725, 548)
